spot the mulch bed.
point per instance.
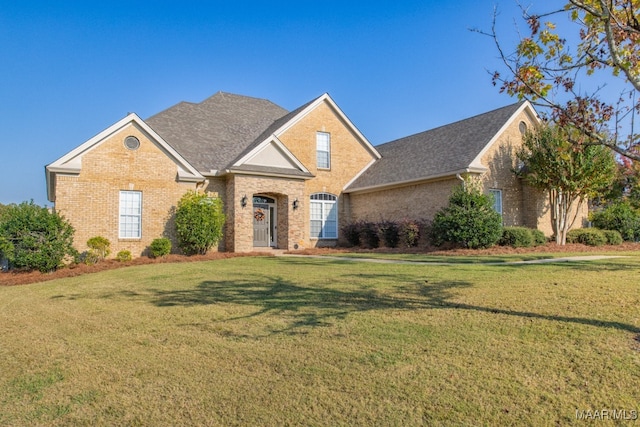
(13, 278)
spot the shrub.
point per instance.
(621, 217)
(389, 233)
(6, 248)
(369, 235)
(587, 236)
(124, 256)
(409, 233)
(538, 237)
(160, 247)
(517, 237)
(41, 239)
(613, 237)
(199, 222)
(351, 233)
(469, 220)
(99, 246)
(89, 257)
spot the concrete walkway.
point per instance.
(399, 261)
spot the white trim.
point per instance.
(477, 161)
(272, 140)
(274, 137)
(326, 98)
(71, 163)
(323, 203)
(352, 180)
(268, 174)
(451, 174)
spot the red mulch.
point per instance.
(21, 278)
(13, 278)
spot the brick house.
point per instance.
(288, 180)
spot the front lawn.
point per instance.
(306, 341)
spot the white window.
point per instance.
(324, 216)
(497, 200)
(130, 215)
(323, 150)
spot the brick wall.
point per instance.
(348, 157)
(90, 200)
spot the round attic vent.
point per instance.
(523, 127)
(132, 143)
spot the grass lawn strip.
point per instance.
(274, 341)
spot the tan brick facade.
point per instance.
(521, 205)
(87, 191)
(349, 156)
(90, 200)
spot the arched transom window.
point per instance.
(324, 216)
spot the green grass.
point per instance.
(302, 341)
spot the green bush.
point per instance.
(613, 237)
(389, 233)
(41, 239)
(199, 222)
(124, 256)
(409, 233)
(621, 217)
(369, 235)
(6, 248)
(538, 237)
(90, 257)
(351, 233)
(517, 237)
(100, 246)
(587, 236)
(160, 247)
(468, 221)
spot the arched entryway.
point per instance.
(265, 222)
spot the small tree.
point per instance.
(469, 220)
(569, 174)
(40, 239)
(199, 222)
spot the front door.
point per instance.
(264, 223)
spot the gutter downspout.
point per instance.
(464, 183)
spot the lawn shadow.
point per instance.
(321, 305)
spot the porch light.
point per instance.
(296, 204)
(243, 201)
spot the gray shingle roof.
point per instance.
(211, 134)
(434, 153)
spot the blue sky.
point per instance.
(71, 69)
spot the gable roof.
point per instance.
(215, 131)
(224, 132)
(441, 152)
(71, 163)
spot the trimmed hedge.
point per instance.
(516, 237)
(587, 236)
(390, 234)
(160, 247)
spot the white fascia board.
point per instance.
(269, 174)
(415, 181)
(531, 112)
(272, 140)
(65, 161)
(352, 180)
(326, 98)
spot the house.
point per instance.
(288, 180)
(415, 175)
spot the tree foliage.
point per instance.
(199, 222)
(570, 175)
(568, 78)
(469, 220)
(39, 239)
